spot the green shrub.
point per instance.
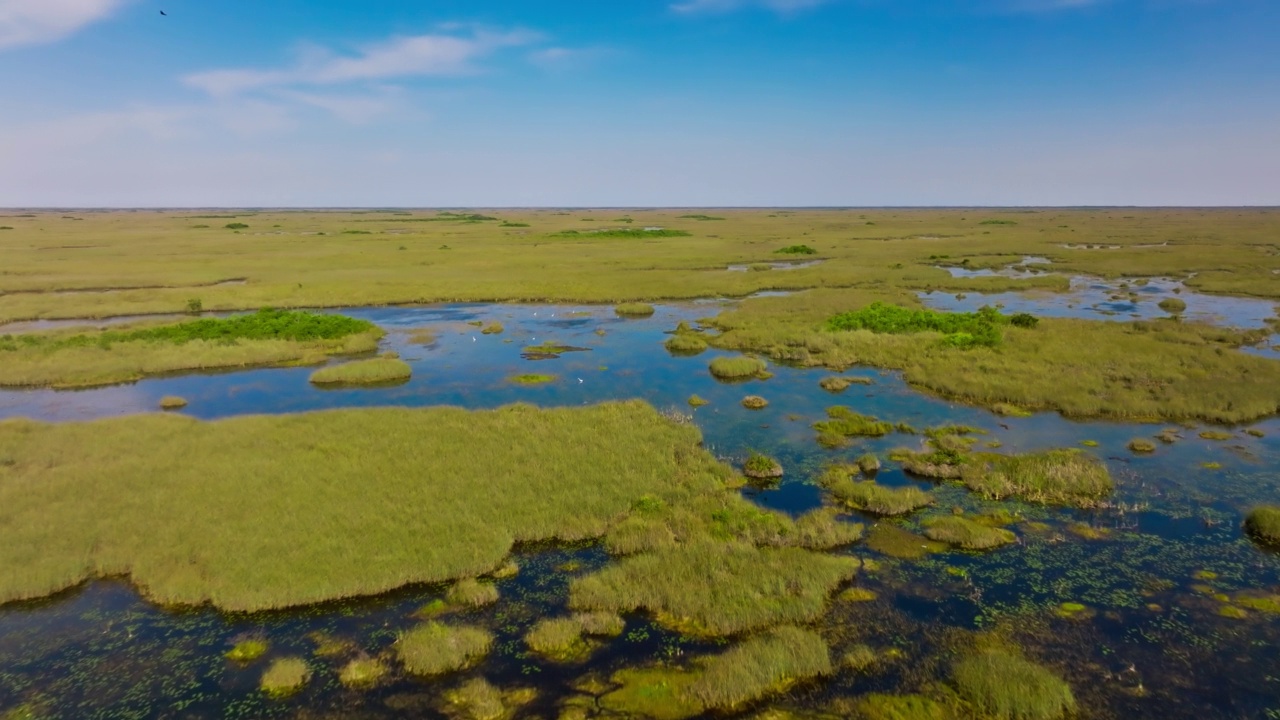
(634, 310)
(434, 648)
(796, 250)
(960, 330)
(737, 368)
(285, 676)
(997, 222)
(363, 372)
(623, 233)
(965, 533)
(1008, 687)
(1173, 306)
(1263, 523)
(235, 226)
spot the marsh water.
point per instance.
(1147, 579)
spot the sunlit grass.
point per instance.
(363, 372)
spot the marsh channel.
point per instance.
(1140, 605)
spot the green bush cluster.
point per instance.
(959, 330)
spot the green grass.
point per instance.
(684, 344)
(845, 423)
(754, 402)
(1052, 477)
(737, 368)
(1141, 446)
(1263, 523)
(698, 401)
(472, 593)
(531, 379)
(761, 466)
(559, 639)
(1008, 687)
(493, 328)
(172, 402)
(298, 509)
(716, 588)
(1217, 435)
(1173, 305)
(958, 330)
(870, 497)
(435, 648)
(965, 533)
(75, 358)
(247, 650)
(700, 217)
(363, 672)
(373, 371)
(840, 383)
(624, 234)
(285, 676)
(633, 310)
(796, 250)
(763, 665)
(878, 706)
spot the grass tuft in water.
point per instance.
(1008, 687)
(965, 533)
(363, 672)
(285, 676)
(759, 466)
(1173, 306)
(763, 665)
(247, 650)
(1142, 446)
(532, 379)
(374, 371)
(472, 593)
(754, 402)
(737, 368)
(845, 423)
(493, 328)
(435, 648)
(879, 706)
(869, 497)
(1263, 523)
(698, 401)
(840, 383)
(558, 639)
(633, 310)
(685, 344)
(1051, 477)
(172, 402)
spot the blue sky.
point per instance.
(639, 102)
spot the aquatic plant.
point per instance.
(1218, 435)
(172, 402)
(493, 328)
(550, 350)
(868, 463)
(1050, 477)
(247, 650)
(871, 497)
(434, 648)
(559, 639)
(760, 666)
(736, 368)
(796, 250)
(754, 587)
(1009, 410)
(1142, 446)
(896, 542)
(698, 401)
(859, 657)
(965, 533)
(285, 676)
(844, 422)
(471, 592)
(761, 466)
(879, 706)
(754, 402)
(1173, 306)
(840, 383)
(685, 344)
(1008, 687)
(363, 672)
(363, 372)
(633, 310)
(1263, 524)
(531, 379)
(605, 624)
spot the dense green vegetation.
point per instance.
(796, 250)
(737, 368)
(959, 330)
(624, 233)
(634, 310)
(870, 497)
(1008, 687)
(363, 372)
(1263, 523)
(434, 648)
(285, 676)
(965, 533)
(297, 509)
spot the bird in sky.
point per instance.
(164, 13)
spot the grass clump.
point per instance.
(285, 676)
(1218, 435)
(1173, 306)
(759, 467)
(559, 639)
(247, 650)
(1052, 477)
(1008, 687)
(1263, 523)
(737, 368)
(870, 497)
(840, 383)
(363, 672)
(685, 344)
(698, 401)
(716, 588)
(532, 379)
(374, 371)
(959, 330)
(435, 648)
(845, 423)
(896, 542)
(879, 706)
(965, 533)
(470, 592)
(493, 328)
(1142, 446)
(796, 250)
(633, 310)
(303, 508)
(760, 666)
(754, 402)
(172, 402)
(624, 233)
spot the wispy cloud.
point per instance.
(692, 7)
(439, 54)
(32, 22)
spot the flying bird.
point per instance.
(164, 13)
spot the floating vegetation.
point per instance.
(532, 379)
(473, 593)
(285, 676)
(434, 648)
(172, 402)
(868, 464)
(363, 672)
(1168, 436)
(1263, 524)
(965, 533)
(493, 328)
(633, 310)
(840, 383)
(558, 639)
(754, 402)
(753, 588)
(1218, 435)
(870, 497)
(374, 371)
(845, 423)
(796, 250)
(896, 542)
(1008, 687)
(247, 650)
(685, 344)
(1142, 446)
(550, 350)
(698, 401)
(737, 368)
(761, 467)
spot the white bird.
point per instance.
(473, 338)
(579, 379)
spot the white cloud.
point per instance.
(415, 56)
(31, 22)
(720, 6)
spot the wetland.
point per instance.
(535, 490)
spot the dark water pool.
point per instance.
(1154, 571)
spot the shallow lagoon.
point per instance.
(1151, 643)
